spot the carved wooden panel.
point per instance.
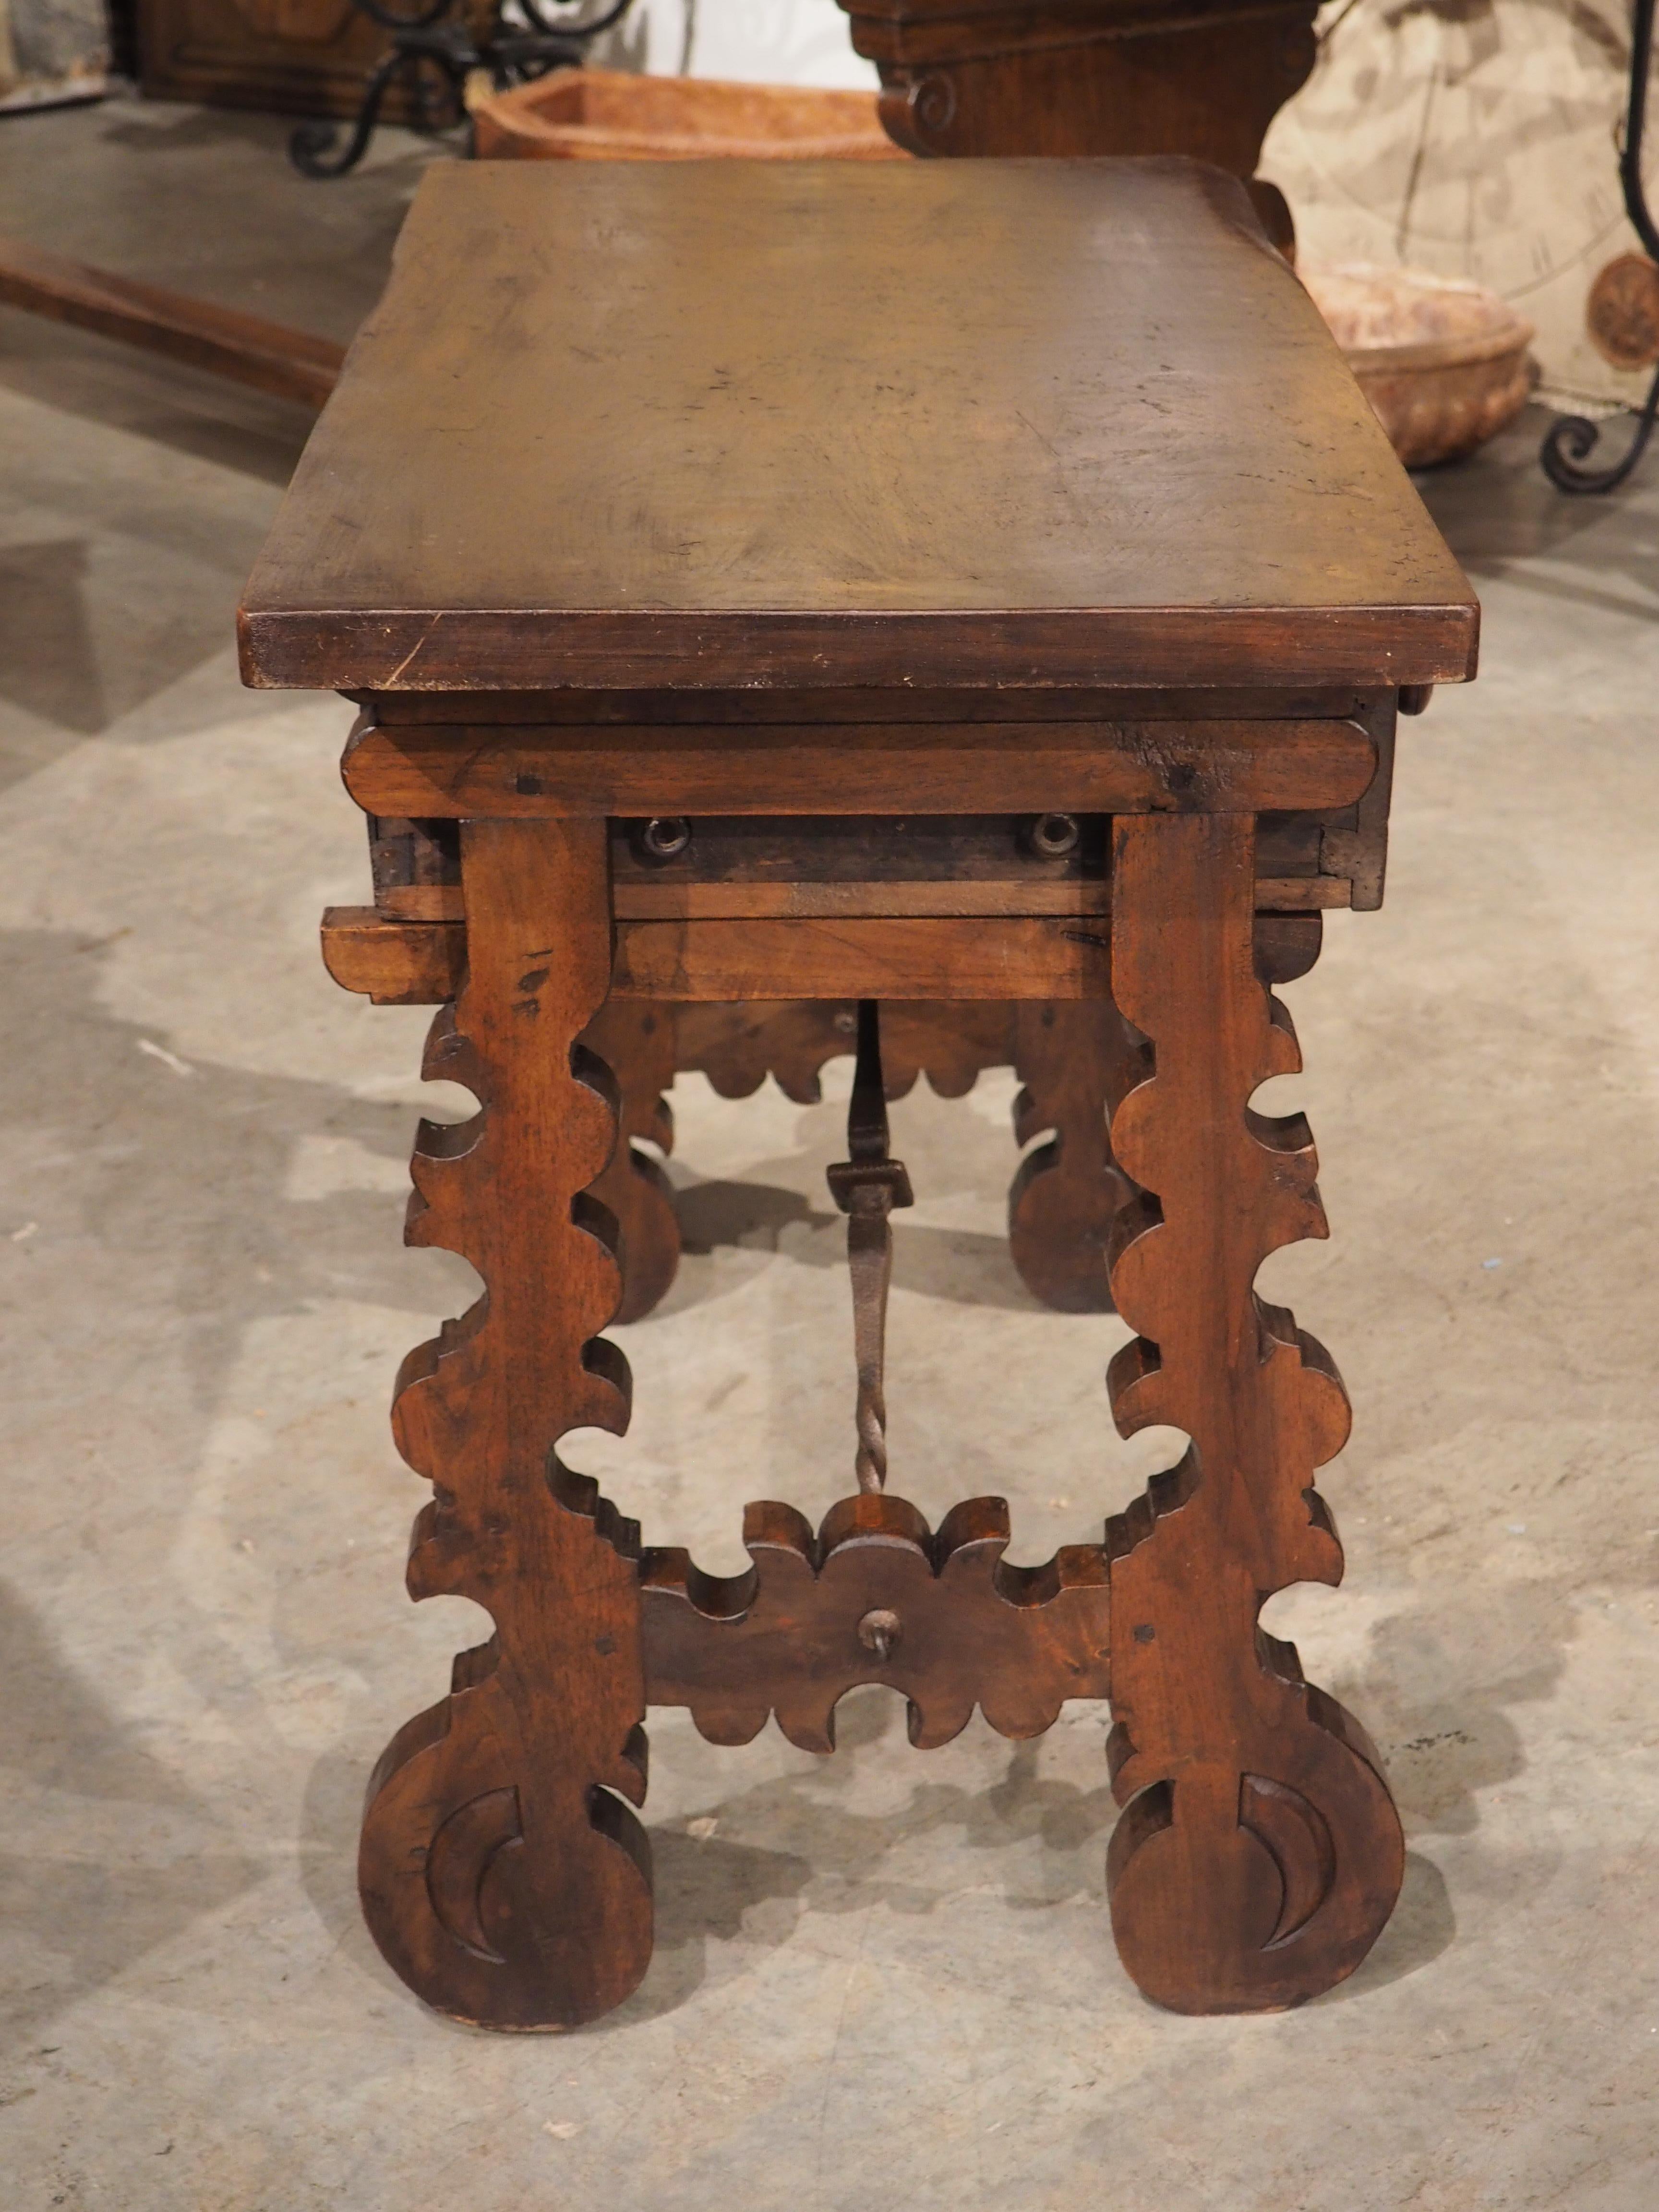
(1091, 76)
(876, 1597)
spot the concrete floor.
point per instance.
(881, 1978)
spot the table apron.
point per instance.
(936, 958)
(1221, 767)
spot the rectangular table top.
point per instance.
(714, 424)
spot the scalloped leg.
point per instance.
(637, 1041)
(1067, 1193)
(501, 1875)
(1259, 1855)
(502, 1888)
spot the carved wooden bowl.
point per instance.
(1442, 361)
(608, 115)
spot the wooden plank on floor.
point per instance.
(290, 364)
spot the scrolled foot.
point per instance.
(501, 1894)
(1238, 1891)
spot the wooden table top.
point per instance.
(701, 424)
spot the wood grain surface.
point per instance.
(1104, 768)
(501, 1872)
(955, 422)
(907, 956)
(421, 963)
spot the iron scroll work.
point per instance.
(1571, 439)
(428, 44)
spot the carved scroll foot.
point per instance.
(500, 1884)
(1068, 1191)
(501, 1874)
(1259, 1855)
(1235, 1890)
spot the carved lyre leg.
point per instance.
(1259, 1854)
(1067, 1192)
(501, 1876)
(636, 1040)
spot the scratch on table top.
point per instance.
(387, 681)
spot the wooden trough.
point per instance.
(607, 115)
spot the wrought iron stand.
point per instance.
(1571, 438)
(428, 43)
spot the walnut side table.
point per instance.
(977, 77)
(857, 520)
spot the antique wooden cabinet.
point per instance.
(299, 57)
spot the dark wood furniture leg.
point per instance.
(501, 1874)
(1259, 1853)
(636, 1041)
(1068, 1191)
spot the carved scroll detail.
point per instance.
(918, 109)
(1259, 1855)
(500, 1875)
(1003, 78)
(876, 1597)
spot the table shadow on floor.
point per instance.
(964, 1266)
(78, 1916)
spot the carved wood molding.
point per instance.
(637, 1043)
(1200, 77)
(739, 1045)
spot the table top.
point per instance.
(650, 425)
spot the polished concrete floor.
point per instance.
(883, 1978)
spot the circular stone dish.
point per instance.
(1442, 361)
